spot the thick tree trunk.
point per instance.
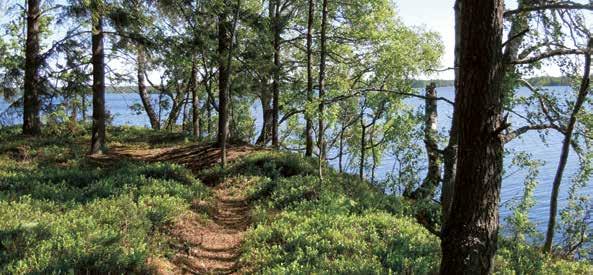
(583, 91)
(309, 120)
(276, 75)
(143, 91)
(223, 78)
(225, 37)
(98, 61)
(323, 42)
(31, 103)
(433, 176)
(470, 233)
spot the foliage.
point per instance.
(341, 225)
(77, 217)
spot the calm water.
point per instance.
(512, 187)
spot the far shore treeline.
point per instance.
(540, 81)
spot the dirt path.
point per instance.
(205, 245)
(214, 247)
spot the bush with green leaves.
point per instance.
(312, 239)
(339, 225)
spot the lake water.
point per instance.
(512, 187)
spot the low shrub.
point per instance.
(321, 241)
(80, 218)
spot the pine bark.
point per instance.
(98, 61)
(31, 103)
(470, 233)
(224, 46)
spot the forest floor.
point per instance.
(206, 245)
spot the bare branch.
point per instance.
(517, 132)
(562, 5)
(548, 54)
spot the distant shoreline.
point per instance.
(541, 81)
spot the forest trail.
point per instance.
(213, 246)
(204, 245)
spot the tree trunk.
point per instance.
(309, 120)
(209, 108)
(73, 104)
(470, 233)
(176, 107)
(225, 39)
(519, 23)
(223, 78)
(143, 91)
(450, 152)
(83, 103)
(363, 145)
(276, 74)
(31, 104)
(433, 176)
(341, 151)
(583, 91)
(323, 42)
(267, 111)
(374, 155)
(98, 61)
(195, 117)
(185, 115)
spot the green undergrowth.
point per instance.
(341, 225)
(61, 213)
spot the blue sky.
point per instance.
(438, 15)
(434, 15)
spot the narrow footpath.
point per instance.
(215, 247)
(205, 245)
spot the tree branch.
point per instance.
(548, 54)
(562, 5)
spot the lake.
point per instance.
(119, 104)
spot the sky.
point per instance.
(438, 16)
(435, 15)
